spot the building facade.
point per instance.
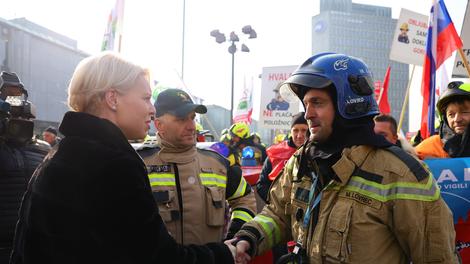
(366, 32)
(44, 60)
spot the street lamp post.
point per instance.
(232, 49)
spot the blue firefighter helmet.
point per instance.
(350, 77)
(248, 157)
(221, 148)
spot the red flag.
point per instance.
(442, 40)
(384, 106)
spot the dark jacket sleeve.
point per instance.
(241, 200)
(263, 184)
(138, 227)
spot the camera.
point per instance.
(16, 111)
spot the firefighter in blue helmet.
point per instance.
(348, 195)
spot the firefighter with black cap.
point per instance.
(348, 195)
(193, 186)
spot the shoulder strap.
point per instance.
(414, 165)
(215, 155)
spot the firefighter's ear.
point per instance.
(160, 124)
(111, 99)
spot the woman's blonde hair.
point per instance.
(97, 74)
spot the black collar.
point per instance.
(78, 124)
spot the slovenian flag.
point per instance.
(442, 40)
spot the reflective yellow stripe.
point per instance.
(212, 179)
(270, 228)
(162, 179)
(398, 190)
(241, 189)
(242, 215)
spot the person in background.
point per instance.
(453, 139)
(233, 156)
(279, 154)
(257, 138)
(90, 201)
(277, 157)
(386, 126)
(20, 154)
(50, 136)
(240, 136)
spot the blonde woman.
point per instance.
(90, 201)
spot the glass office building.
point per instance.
(366, 32)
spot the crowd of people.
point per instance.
(343, 186)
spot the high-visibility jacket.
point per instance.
(382, 207)
(431, 147)
(191, 187)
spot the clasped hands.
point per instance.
(239, 250)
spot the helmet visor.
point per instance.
(310, 81)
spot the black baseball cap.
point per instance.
(176, 102)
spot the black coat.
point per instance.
(91, 202)
(17, 164)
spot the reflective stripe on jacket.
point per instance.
(207, 184)
(377, 211)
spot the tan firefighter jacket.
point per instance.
(191, 187)
(384, 208)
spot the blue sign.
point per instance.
(453, 178)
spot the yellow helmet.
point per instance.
(199, 127)
(279, 138)
(241, 130)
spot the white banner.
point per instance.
(409, 41)
(275, 111)
(245, 104)
(459, 68)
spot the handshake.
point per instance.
(239, 249)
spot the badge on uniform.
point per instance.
(158, 168)
(302, 195)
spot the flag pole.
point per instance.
(464, 60)
(407, 96)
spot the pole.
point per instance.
(183, 38)
(464, 60)
(405, 102)
(231, 97)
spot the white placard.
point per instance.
(459, 68)
(275, 111)
(409, 40)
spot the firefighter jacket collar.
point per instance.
(168, 151)
(350, 159)
(456, 145)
